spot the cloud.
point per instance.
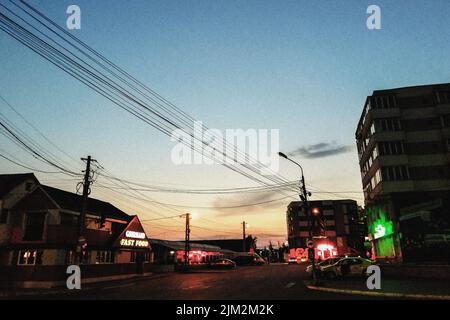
(322, 149)
(268, 199)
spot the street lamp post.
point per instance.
(304, 197)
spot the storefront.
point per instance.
(40, 239)
(172, 252)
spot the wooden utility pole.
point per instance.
(186, 242)
(84, 199)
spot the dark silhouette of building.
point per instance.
(403, 140)
(40, 227)
(231, 244)
(337, 228)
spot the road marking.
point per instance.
(382, 294)
(289, 285)
(196, 287)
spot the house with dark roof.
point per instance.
(40, 227)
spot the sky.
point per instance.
(303, 67)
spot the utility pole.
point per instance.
(81, 222)
(308, 212)
(186, 242)
(244, 249)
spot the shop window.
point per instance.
(34, 226)
(105, 256)
(30, 257)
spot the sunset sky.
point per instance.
(302, 67)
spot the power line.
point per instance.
(97, 81)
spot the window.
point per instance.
(29, 257)
(105, 256)
(390, 124)
(134, 255)
(443, 97)
(3, 216)
(395, 173)
(376, 179)
(391, 148)
(34, 226)
(68, 219)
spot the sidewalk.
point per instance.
(390, 288)
(22, 293)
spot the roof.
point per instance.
(229, 244)
(72, 201)
(10, 181)
(421, 86)
(321, 202)
(179, 245)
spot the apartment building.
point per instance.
(336, 228)
(403, 141)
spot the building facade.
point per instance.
(403, 140)
(335, 226)
(39, 233)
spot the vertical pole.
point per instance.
(311, 225)
(186, 242)
(244, 249)
(81, 222)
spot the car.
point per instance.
(350, 266)
(324, 263)
(223, 264)
(292, 260)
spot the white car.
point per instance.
(351, 266)
(323, 263)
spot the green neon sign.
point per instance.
(380, 227)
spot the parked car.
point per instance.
(324, 263)
(351, 266)
(223, 264)
(293, 260)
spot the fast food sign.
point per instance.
(133, 236)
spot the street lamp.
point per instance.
(304, 197)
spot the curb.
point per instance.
(382, 294)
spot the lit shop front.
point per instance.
(172, 252)
(324, 249)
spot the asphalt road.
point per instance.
(272, 282)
